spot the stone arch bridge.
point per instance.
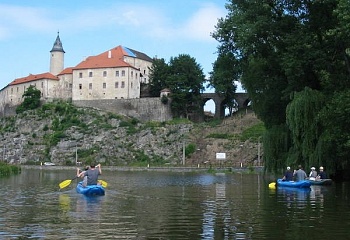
(242, 100)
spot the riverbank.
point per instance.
(160, 169)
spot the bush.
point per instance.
(6, 169)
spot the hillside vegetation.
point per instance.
(64, 134)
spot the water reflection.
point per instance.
(220, 219)
(152, 205)
(294, 196)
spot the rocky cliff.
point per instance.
(66, 135)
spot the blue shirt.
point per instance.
(288, 176)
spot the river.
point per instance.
(170, 205)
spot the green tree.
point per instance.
(31, 99)
(185, 81)
(305, 126)
(223, 78)
(158, 74)
(282, 48)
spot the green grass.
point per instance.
(7, 169)
(253, 133)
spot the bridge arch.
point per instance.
(242, 100)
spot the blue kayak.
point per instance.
(326, 181)
(293, 184)
(90, 190)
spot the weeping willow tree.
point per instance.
(336, 120)
(276, 142)
(305, 126)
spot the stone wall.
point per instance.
(7, 111)
(144, 109)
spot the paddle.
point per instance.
(103, 183)
(66, 183)
(272, 185)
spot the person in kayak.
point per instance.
(288, 175)
(92, 174)
(322, 174)
(313, 173)
(300, 174)
(81, 173)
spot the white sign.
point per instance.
(220, 156)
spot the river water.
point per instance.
(170, 205)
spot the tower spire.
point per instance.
(57, 46)
(57, 56)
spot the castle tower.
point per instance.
(57, 57)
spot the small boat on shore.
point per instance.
(293, 184)
(327, 181)
(90, 190)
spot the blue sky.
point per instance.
(164, 29)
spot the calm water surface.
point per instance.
(169, 205)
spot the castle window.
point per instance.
(90, 85)
(123, 84)
(90, 74)
(123, 73)
(132, 73)
(117, 73)
(17, 89)
(11, 90)
(131, 85)
(80, 86)
(116, 84)
(80, 75)
(135, 75)
(104, 85)
(42, 84)
(105, 73)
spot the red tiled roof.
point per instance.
(35, 77)
(68, 70)
(110, 58)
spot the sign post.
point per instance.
(221, 157)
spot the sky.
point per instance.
(158, 28)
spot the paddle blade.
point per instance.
(103, 183)
(65, 183)
(272, 185)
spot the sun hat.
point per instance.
(288, 168)
(312, 168)
(321, 168)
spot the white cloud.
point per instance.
(203, 22)
(151, 21)
(197, 27)
(14, 18)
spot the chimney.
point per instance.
(109, 54)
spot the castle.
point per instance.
(114, 74)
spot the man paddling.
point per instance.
(300, 174)
(93, 173)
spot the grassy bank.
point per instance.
(7, 169)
